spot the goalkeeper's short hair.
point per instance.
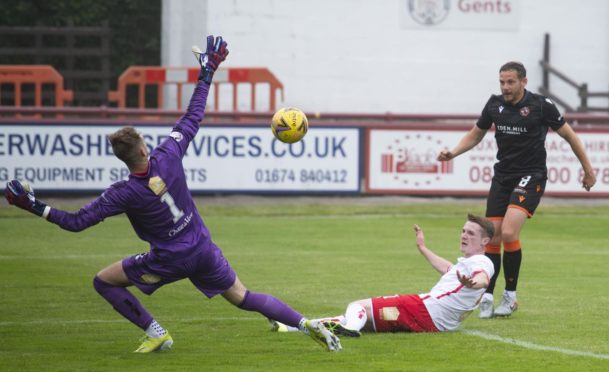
(126, 144)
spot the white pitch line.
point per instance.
(484, 335)
(62, 257)
(532, 346)
(104, 321)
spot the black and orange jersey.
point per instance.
(520, 132)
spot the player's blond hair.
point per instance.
(487, 226)
(126, 145)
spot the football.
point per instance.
(289, 125)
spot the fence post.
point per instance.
(546, 58)
(582, 91)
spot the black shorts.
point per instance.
(523, 192)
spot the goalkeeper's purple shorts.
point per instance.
(206, 268)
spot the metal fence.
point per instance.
(582, 89)
(80, 54)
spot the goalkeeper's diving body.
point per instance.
(162, 212)
(443, 308)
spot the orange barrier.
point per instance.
(143, 76)
(36, 75)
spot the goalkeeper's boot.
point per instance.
(150, 344)
(340, 330)
(507, 305)
(486, 307)
(322, 336)
(278, 326)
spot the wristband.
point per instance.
(206, 75)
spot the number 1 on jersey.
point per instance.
(175, 211)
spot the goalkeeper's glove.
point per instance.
(21, 194)
(215, 53)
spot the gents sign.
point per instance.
(460, 14)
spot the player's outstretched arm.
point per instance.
(442, 265)
(479, 280)
(471, 139)
(21, 194)
(188, 125)
(569, 135)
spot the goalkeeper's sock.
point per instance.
(271, 307)
(302, 325)
(155, 330)
(356, 316)
(288, 328)
(124, 302)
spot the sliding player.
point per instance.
(443, 308)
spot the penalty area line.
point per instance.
(532, 346)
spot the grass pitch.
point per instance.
(317, 258)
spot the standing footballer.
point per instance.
(161, 210)
(521, 121)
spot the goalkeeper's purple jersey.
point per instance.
(158, 204)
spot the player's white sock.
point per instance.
(356, 316)
(155, 330)
(511, 294)
(301, 326)
(294, 329)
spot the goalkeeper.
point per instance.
(443, 308)
(162, 212)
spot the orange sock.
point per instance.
(511, 246)
(493, 248)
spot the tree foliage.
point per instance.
(135, 28)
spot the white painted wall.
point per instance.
(356, 55)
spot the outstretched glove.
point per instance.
(21, 194)
(215, 53)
